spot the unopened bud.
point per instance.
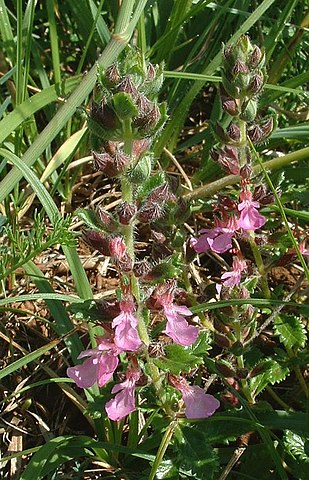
(103, 115)
(112, 74)
(227, 157)
(256, 84)
(221, 133)
(246, 171)
(256, 58)
(126, 212)
(267, 127)
(141, 269)
(151, 72)
(148, 121)
(161, 193)
(117, 247)
(150, 212)
(239, 67)
(234, 132)
(222, 341)
(111, 166)
(125, 263)
(255, 133)
(242, 373)
(128, 86)
(98, 241)
(107, 219)
(225, 370)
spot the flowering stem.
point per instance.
(240, 363)
(260, 265)
(162, 448)
(242, 142)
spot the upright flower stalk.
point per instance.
(125, 118)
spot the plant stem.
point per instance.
(260, 265)
(162, 448)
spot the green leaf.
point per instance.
(272, 373)
(90, 218)
(297, 445)
(291, 331)
(195, 454)
(178, 359)
(124, 106)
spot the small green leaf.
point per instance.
(90, 218)
(123, 105)
(291, 331)
(272, 373)
(296, 445)
(178, 359)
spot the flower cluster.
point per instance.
(124, 119)
(243, 77)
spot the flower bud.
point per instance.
(127, 86)
(141, 269)
(267, 127)
(225, 370)
(256, 84)
(117, 247)
(255, 133)
(112, 75)
(221, 133)
(228, 104)
(104, 116)
(125, 263)
(234, 132)
(111, 166)
(150, 212)
(161, 193)
(222, 341)
(239, 67)
(227, 157)
(98, 241)
(147, 122)
(126, 212)
(246, 171)
(107, 219)
(257, 58)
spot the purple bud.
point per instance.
(225, 370)
(117, 247)
(227, 157)
(161, 193)
(98, 241)
(112, 74)
(150, 212)
(255, 133)
(151, 72)
(128, 86)
(267, 127)
(256, 83)
(125, 263)
(246, 171)
(234, 132)
(126, 212)
(256, 57)
(222, 341)
(104, 115)
(142, 268)
(107, 219)
(239, 67)
(111, 166)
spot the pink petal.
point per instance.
(107, 365)
(126, 336)
(198, 403)
(179, 329)
(123, 403)
(222, 243)
(84, 375)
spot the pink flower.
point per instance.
(177, 326)
(124, 401)
(117, 247)
(217, 239)
(198, 403)
(250, 218)
(100, 365)
(233, 278)
(125, 324)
